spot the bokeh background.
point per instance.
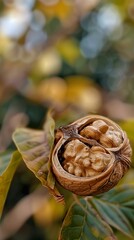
(75, 57)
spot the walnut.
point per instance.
(90, 155)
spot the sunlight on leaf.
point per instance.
(8, 165)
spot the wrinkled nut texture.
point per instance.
(84, 161)
(90, 155)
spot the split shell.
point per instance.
(103, 182)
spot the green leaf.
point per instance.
(116, 207)
(35, 147)
(93, 217)
(8, 165)
(82, 222)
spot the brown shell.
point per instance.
(106, 180)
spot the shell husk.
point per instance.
(115, 170)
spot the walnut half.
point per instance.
(90, 155)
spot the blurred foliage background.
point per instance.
(76, 57)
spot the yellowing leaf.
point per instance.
(5, 45)
(49, 212)
(47, 63)
(49, 128)
(69, 50)
(123, 6)
(35, 147)
(128, 178)
(128, 127)
(83, 93)
(50, 91)
(8, 165)
(61, 9)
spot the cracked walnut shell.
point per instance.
(90, 155)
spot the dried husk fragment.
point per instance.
(90, 155)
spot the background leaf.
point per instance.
(116, 207)
(92, 217)
(128, 126)
(8, 165)
(82, 222)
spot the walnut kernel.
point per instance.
(84, 161)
